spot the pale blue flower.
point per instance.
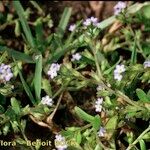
(147, 64)
(60, 142)
(5, 72)
(54, 68)
(119, 7)
(72, 27)
(101, 132)
(46, 100)
(76, 56)
(98, 105)
(118, 72)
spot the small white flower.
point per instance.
(59, 137)
(90, 21)
(99, 101)
(46, 100)
(76, 56)
(54, 68)
(87, 22)
(72, 27)
(94, 20)
(119, 7)
(147, 64)
(120, 69)
(118, 76)
(101, 132)
(5, 72)
(60, 142)
(98, 105)
(100, 88)
(118, 72)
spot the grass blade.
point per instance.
(134, 54)
(25, 85)
(38, 77)
(40, 42)
(20, 11)
(17, 55)
(64, 21)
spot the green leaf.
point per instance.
(142, 145)
(146, 11)
(6, 129)
(26, 87)
(64, 21)
(106, 22)
(112, 123)
(134, 54)
(142, 95)
(146, 136)
(47, 87)
(38, 77)
(15, 105)
(78, 137)
(83, 115)
(39, 35)
(17, 28)
(17, 55)
(20, 11)
(96, 122)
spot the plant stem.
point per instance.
(53, 113)
(97, 66)
(139, 138)
(26, 139)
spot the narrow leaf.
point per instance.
(142, 95)
(17, 55)
(134, 54)
(64, 21)
(96, 122)
(20, 11)
(83, 115)
(112, 123)
(15, 105)
(142, 145)
(26, 87)
(38, 77)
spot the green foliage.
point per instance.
(88, 57)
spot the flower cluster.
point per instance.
(91, 21)
(76, 56)
(98, 105)
(54, 68)
(72, 27)
(60, 142)
(147, 64)
(5, 72)
(119, 7)
(46, 100)
(118, 72)
(101, 132)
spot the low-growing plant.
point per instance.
(98, 72)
